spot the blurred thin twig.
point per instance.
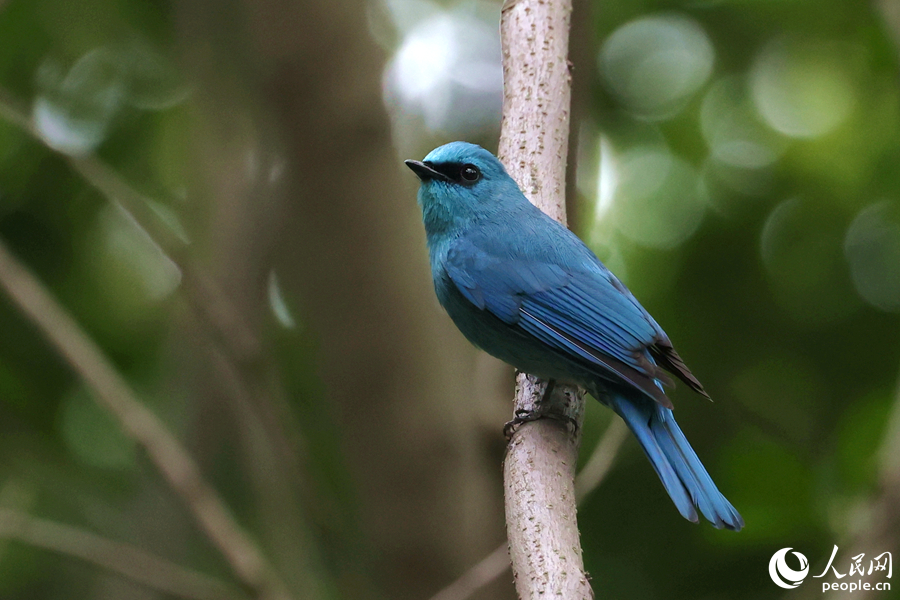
(102, 177)
(601, 459)
(126, 560)
(487, 570)
(139, 423)
(591, 476)
(201, 290)
(214, 309)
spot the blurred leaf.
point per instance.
(92, 434)
(772, 489)
(75, 110)
(860, 435)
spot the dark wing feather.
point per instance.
(558, 339)
(669, 359)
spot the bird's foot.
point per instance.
(522, 416)
(526, 416)
(540, 409)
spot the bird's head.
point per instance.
(461, 182)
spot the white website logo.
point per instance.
(782, 574)
(880, 566)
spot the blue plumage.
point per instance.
(525, 289)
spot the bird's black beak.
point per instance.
(424, 171)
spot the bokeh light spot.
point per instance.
(74, 111)
(801, 250)
(607, 178)
(802, 90)
(732, 128)
(655, 64)
(277, 303)
(447, 70)
(872, 248)
(659, 200)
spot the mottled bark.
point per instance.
(539, 469)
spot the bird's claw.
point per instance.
(521, 416)
(526, 416)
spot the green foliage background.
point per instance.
(214, 191)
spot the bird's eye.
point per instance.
(470, 173)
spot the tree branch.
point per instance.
(139, 423)
(496, 563)
(539, 469)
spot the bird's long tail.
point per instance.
(676, 463)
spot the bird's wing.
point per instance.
(575, 306)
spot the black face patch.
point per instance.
(461, 173)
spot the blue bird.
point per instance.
(525, 289)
